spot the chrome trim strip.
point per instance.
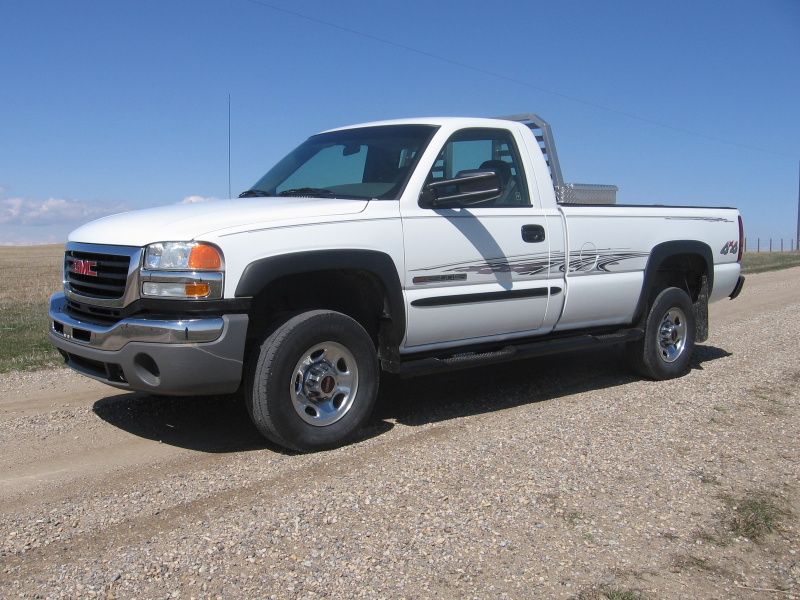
(116, 336)
(131, 284)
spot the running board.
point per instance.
(426, 366)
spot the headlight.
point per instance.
(182, 270)
(181, 256)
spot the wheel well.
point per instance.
(684, 271)
(357, 293)
(685, 264)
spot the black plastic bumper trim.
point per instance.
(484, 297)
(738, 288)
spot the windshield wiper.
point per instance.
(306, 191)
(252, 193)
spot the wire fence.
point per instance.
(767, 246)
(30, 273)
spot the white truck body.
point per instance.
(472, 277)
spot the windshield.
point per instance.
(362, 163)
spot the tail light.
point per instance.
(741, 239)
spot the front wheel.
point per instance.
(314, 382)
(666, 348)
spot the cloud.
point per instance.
(193, 199)
(54, 211)
(26, 235)
(32, 241)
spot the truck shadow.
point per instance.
(220, 424)
(215, 424)
(435, 398)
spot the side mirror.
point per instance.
(468, 187)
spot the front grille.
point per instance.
(97, 315)
(111, 269)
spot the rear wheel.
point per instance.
(314, 382)
(666, 348)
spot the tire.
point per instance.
(313, 382)
(666, 348)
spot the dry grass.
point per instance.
(611, 593)
(685, 562)
(758, 262)
(754, 515)
(29, 275)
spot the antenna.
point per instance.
(229, 146)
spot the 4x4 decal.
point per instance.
(730, 248)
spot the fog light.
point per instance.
(176, 290)
(197, 290)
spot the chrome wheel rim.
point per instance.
(324, 384)
(672, 335)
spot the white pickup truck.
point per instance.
(412, 246)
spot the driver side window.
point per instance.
(471, 149)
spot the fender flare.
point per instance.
(260, 273)
(659, 254)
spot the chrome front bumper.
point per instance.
(177, 357)
(114, 337)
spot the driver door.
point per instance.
(480, 271)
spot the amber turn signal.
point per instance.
(204, 257)
(197, 290)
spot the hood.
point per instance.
(186, 222)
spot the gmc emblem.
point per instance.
(84, 267)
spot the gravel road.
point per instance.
(559, 477)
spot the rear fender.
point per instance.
(661, 253)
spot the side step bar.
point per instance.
(427, 366)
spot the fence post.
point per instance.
(758, 244)
(781, 244)
(770, 244)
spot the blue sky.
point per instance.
(107, 106)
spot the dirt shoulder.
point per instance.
(560, 477)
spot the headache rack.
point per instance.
(566, 193)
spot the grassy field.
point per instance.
(758, 262)
(30, 274)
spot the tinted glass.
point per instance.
(368, 162)
(471, 149)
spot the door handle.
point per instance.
(532, 234)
